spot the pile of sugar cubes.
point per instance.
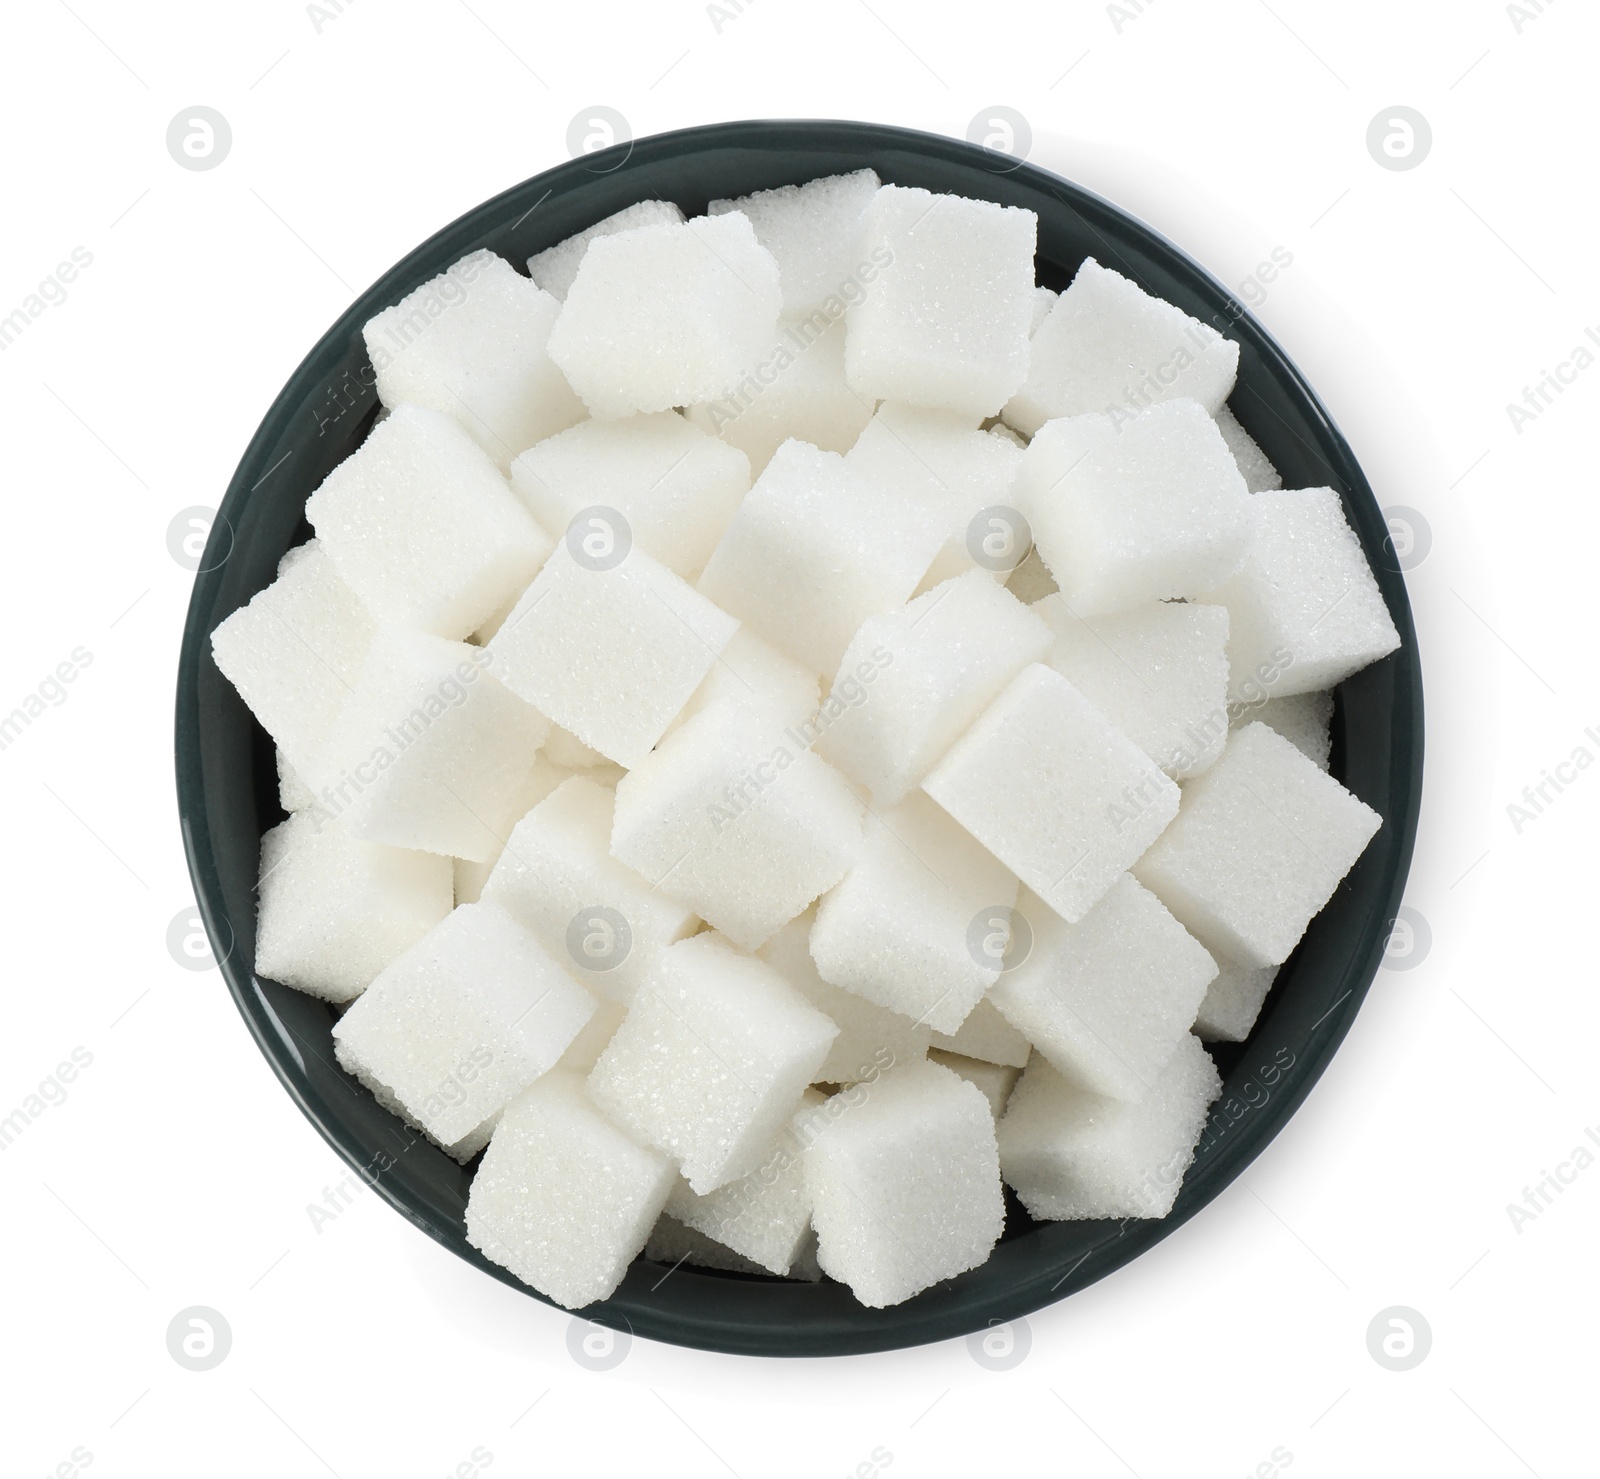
(787, 727)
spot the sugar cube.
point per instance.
(1053, 790)
(555, 267)
(295, 651)
(1233, 1001)
(675, 486)
(753, 676)
(1258, 847)
(471, 343)
(429, 750)
(1304, 610)
(766, 1215)
(810, 555)
(563, 1198)
(905, 1183)
(1259, 475)
(334, 912)
(813, 232)
(871, 1040)
(795, 389)
(293, 793)
(556, 877)
(945, 322)
(1159, 672)
(664, 316)
(423, 527)
(467, 1018)
(562, 747)
(1107, 343)
(913, 680)
(1107, 999)
(738, 821)
(610, 651)
(542, 778)
(674, 1244)
(987, 1036)
(938, 464)
(897, 929)
(1125, 515)
(462, 1150)
(991, 1080)
(711, 1061)
(584, 1051)
(1304, 719)
(1070, 1154)
(1044, 299)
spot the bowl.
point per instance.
(227, 784)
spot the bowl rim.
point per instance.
(920, 1319)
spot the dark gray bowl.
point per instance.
(227, 791)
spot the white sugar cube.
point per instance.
(295, 651)
(675, 486)
(945, 322)
(462, 1150)
(810, 555)
(1138, 512)
(1233, 1001)
(293, 793)
(938, 464)
(334, 912)
(796, 389)
(556, 877)
(1258, 847)
(1070, 1154)
(423, 527)
(563, 1198)
(987, 1036)
(555, 267)
(914, 680)
(898, 928)
(1107, 343)
(429, 751)
(905, 1183)
(991, 1080)
(1044, 299)
(1008, 435)
(468, 1017)
(1259, 475)
(871, 1040)
(1304, 719)
(542, 778)
(1305, 611)
(1053, 790)
(584, 1051)
(664, 316)
(738, 821)
(813, 232)
(673, 1244)
(611, 653)
(1158, 672)
(1107, 999)
(711, 1061)
(562, 747)
(752, 676)
(471, 343)
(765, 1216)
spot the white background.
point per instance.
(177, 1172)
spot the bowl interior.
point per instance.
(227, 784)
